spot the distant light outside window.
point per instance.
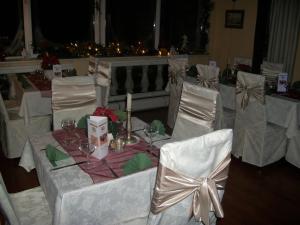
(130, 21)
(61, 22)
(11, 21)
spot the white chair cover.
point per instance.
(14, 132)
(102, 72)
(28, 207)
(177, 73)
(197, 112)
(242, 60)
(227, 96)
(208, 76)
(196, 158)
(256, 141)
(72, 97)
(293, 150)
(271, 71)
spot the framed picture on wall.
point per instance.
(234, 19)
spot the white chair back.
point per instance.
(242, 60)
(6, 205)
(208, 76)
(177, 72)
(190, 163)
(197, 112)
(271, 71)
(72, 97)
(101, 71)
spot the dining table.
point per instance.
(34, 93)
(99, 192)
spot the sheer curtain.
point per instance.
(284, 33)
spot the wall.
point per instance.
(227, 43)
(296, 71)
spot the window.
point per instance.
(12, 43)
(130, 21)
(62, 22)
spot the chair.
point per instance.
(256, 141)
(197, 112)
(28, 207)
(227, 94)
(101, 71)
(191, 179)
(14, 132)
(72, 97)
(177, 68)
(271, 71)
(208, 76)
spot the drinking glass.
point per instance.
(87, 148)
(150, 132)
(68, 125)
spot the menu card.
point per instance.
(282, 82)
(97, 134)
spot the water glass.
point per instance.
(68, 125)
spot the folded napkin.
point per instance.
(137, 163)
(83, 122)
(158, 126)
(54, 155)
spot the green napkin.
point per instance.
(138, 162)
(83, 121)
(53, 154)
(158, 125)
(121, 115)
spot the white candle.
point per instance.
(129, 101)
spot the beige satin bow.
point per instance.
(248, 91)
(207, 82)
(172, 187)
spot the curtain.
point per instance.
(284, 33)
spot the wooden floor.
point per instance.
(253, 196)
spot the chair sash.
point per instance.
(172, 187)
(72, 93)
(177, 68)
(208, 76)
(249, 90)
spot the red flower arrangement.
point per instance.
(109, 113)
(48, 61)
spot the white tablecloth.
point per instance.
(74, 199)
(34, 104)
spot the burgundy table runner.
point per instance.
(100, 170)
(41, 83)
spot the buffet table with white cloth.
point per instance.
(74, 198)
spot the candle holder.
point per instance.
(130, 139)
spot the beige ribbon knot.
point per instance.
(172, 187)
(207, 82)
(256, 92)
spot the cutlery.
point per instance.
(69, 165)
(163, 139)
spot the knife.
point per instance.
(73, 164)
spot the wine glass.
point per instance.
(150, 132)
(87, 148)
(68, 125)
